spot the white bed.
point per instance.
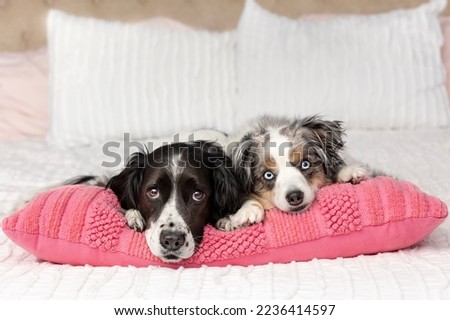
(420, 272)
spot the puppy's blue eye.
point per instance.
(268, 175)
(305, 165)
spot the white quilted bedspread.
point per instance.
(420, 272)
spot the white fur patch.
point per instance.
(354, 173)
(288, 177)
(171, 220)
(135, 220)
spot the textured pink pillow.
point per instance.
(23, 94)
(81, 225)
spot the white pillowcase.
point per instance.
(373, 71)
(110, 78)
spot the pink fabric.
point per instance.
(23, 94)
(82, 225)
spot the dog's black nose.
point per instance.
(172, 240)
(294, 198)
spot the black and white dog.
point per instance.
(173, 192)
(282, 162)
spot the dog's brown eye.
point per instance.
(153, 193)
(198, 196)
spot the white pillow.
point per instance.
(110, 78)
(372, 71)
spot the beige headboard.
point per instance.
(22, 22)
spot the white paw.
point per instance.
(224, 224)
(354, 174)
(246, 216)
(135, 220)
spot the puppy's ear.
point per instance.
(227, 196)
(329, 133)
(244, 159)
(328, 136)
(126, 185)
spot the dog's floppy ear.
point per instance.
(244, 159)
(227, 194)
(127, 183)
(227, 191)
(328, 136)
(329, 133)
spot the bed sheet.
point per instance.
(419, 272)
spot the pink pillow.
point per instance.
(23, 94)
(81, 225)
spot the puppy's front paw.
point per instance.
(135, 220)
(246, 216)
(249, 215)
(224, 224)
(354, 174)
